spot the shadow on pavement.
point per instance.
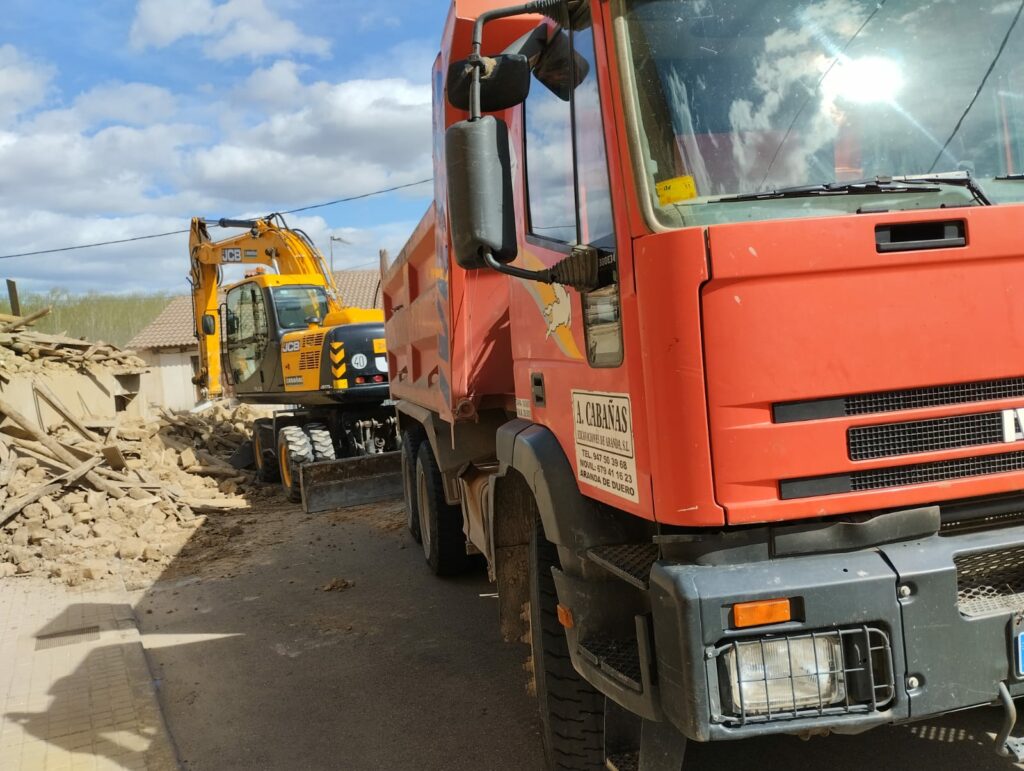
(104, 708)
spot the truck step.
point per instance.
(629, 561)
(619, 659)
(626, 761)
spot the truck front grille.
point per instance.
(991, 582)
(900, 476)
(895, 401)
(894, 439)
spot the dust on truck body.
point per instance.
(712, 345)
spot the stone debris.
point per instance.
(95, 497)
(24, 350)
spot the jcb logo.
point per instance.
(1013, 425)
(291, 347)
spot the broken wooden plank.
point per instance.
(11, 510)
(23, 320)
(114, 457)
(54, 401)
(57, 484)
(58, 450)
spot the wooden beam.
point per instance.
(57, 450)
(12, 295)
(54, 401)
(23, 320)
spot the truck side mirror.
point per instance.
(553, 70)
(504, 82)
(209, 324)
(480, 202)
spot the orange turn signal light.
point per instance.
(565, 617)
(761, 613)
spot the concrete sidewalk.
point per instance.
(75, 687)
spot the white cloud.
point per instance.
(231, 29)
(125, 159)
(137, 104)
(24, 84)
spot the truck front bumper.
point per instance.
(889, 634)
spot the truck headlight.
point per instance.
(784, 674)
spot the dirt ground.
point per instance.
(281, 640)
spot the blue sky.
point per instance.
(126, 117)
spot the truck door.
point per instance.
(247, 336)
(568, 198)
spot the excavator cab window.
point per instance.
(247, 332)
(295, 305)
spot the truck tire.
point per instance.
(444, 543)
(267, 470)
(411, 440)
(322, 441)
(571, 710)
(293, 451)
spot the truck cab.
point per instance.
(725, 298)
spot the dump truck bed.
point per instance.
(449, 348)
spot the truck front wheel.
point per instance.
(444, 543)
(571, 710)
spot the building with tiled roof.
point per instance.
(168, 344)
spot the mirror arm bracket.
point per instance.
(536, 6)
(578, 270)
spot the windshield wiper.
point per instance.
(876, 186)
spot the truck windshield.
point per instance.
(741, 97)
(295, 304)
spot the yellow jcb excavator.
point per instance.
(286, 338)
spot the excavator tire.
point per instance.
(323, 443)
(411, 439)
(571, 709)
(293, 451)
(444, 543)
(267, 470)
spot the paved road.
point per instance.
(261, 670)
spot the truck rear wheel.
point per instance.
(444, 543)
(571, 710)
(293, 451)
(321, 440)
(411, 440)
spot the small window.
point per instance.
(549, 159)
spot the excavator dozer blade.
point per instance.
(339, 484)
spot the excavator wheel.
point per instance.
(293, 451)
(323, 443)
(267, 470)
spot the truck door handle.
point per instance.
(914, 236)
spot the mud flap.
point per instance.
(339, 484)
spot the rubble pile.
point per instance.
(93, 497)
(23, 350)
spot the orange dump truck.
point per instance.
(711, 345)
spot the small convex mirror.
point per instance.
(504, 82)
(560, 68)
(209, 324)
